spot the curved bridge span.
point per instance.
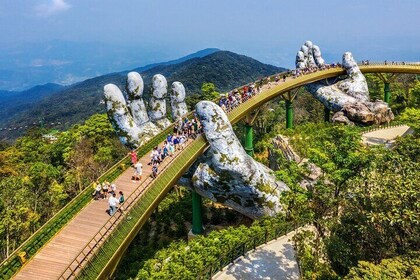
(101, 254)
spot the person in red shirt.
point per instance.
(133, 155)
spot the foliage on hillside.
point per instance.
(400, 267)
(365, 205)
(14, 102)
(37, 177)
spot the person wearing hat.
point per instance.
(105, 187)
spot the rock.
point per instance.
(178, 105)
(157, 102)
(339, 117)
(119, 116)
(229, 175)
(281, 144)
(134, 88)
(349, 96)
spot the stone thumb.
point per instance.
(219, 133)
(350, 65)
(120, 117)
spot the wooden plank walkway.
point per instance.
(52, 260)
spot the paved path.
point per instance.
(385, 135)
(274, 260)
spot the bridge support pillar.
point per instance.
(289, 114)
(387, 92)
(249, 139)
(327, 113)
(197, 223)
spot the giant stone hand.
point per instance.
(229, 175)
(348, 98)
(130, 119)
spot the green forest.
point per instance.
(364, 207)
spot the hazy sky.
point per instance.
(269, 30)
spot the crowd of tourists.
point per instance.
(183, 130)
(234, 98)
(108, 191)
(308, 70)
(393, 62)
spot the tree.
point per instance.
(380, 213)
(17, 216)
(400, 267)
(209, 92)
(42, 176)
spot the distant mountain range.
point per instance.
(23, 65)
(52, 103)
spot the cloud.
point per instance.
(52, 8)
(51, 62)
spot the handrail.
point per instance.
(379, 127)
(372, 67)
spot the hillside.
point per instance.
(76, 103)
(19, 101)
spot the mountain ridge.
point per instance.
(77, 102)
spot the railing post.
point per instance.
(289, 114)
(249, 137)
(327, 112)
(197, 226)
(387, 92)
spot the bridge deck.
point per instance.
(52, 260)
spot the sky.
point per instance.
(269, 30)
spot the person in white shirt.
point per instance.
(113, 203)
(138, 171)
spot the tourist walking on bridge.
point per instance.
(133, 155)
(138, 171)
(113, 203)
(121, 200)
